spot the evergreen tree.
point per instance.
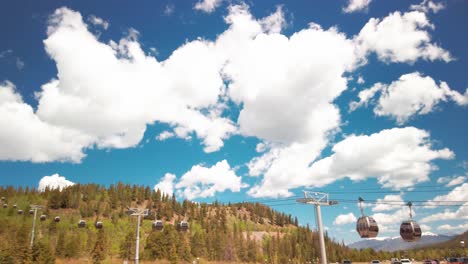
(156, 246)
(127, 247)
(42, 253)
(198, 244)
(60, 248)
(22, 251)
(98, 253)
(183, 247)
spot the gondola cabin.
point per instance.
(14, 206)
(3, 198)
(367, 227)
(5, 205)
(182, 226)
(98, 225)
(20, 212)
(31, 212)
(57, 219)
(43, 218)
(410, 231)
(81, 223)
(157, 225)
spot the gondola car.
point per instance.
(410, 231)
(81, 223)
(366, 226)
(182, 226)
(157, 225)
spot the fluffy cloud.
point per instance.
(365, 96)
(388, 203)
(448, 227)
(412, 94)
(428, 5)
(356, 5)
(207, 6)
(345, 219)
(97, 21)
(426, 228)
(400, 38)
(113, 91)
(204, 182)
(26, 137)
(164, 135)
(452, 181)
(360, 80)
(54, 182)
(166, 185)
(286, 86)
(105, 94)
(269, 71)
(460, 214)
(397, 158)
(457, 195)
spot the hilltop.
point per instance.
(240, 232)
(217, 233)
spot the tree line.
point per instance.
(237, 232)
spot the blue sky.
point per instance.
(244, 101)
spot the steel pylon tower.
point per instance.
(138, 212)
(318, 199)
(35, 208)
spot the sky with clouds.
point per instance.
(244, 101)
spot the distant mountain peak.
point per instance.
(396, 243)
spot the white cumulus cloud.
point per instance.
(388, 203)
(397, 158)
(459, 195)
(207, 6)
(26, 137)
(345, 219)
(428, 5)
(112, 91)
(97, 21)
(54, 182)
(202, 182)
(166, 185)
(164, 135)
(452, 181)
(447, 227)
(412, 94)
(401, 38)
(356, 5)
(286, 86)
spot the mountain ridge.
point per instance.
(393, 244)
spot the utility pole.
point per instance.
(35, 208)
(138, 213)
(318, 199)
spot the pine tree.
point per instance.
(127, 247)
(60, 248)
(198, 244)
(173, 257)
(156, 247)
(42, 253)
(72, 249)
(183, 247)
(99, 251)
(23, 253)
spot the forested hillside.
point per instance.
(241, 232)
